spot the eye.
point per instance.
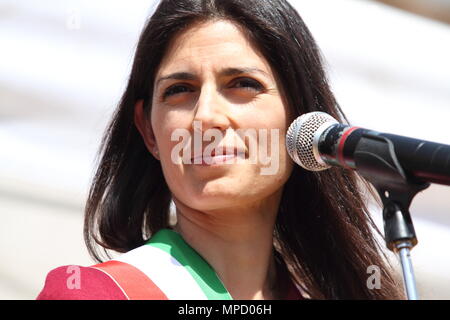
(176, 89)
(248, 84)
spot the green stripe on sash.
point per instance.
(173, 244)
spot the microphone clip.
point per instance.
(376, 160)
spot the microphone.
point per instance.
(316, 141)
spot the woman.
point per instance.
(222, 66)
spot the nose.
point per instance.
(212, 109)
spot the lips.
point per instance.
(215, 157)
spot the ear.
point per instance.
(144, 126)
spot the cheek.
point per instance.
(275, 121)
(173, 172)
(165, 123)
(272, 121)
(170, 139)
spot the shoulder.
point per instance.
(73, 282)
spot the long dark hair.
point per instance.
(323, 232)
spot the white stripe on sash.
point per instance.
(165, 271)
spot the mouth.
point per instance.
(228, 156)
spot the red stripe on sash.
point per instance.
(135, 284)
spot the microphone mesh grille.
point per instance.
(300, 136)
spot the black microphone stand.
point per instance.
(376, 160)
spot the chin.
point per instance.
(222, 192)
(214, 201)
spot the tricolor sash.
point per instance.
(166, 267)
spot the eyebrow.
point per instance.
(224, 72)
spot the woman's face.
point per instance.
(213, 81)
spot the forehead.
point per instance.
(214, 43)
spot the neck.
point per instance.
(237, 243)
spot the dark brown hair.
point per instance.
(323, 232)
